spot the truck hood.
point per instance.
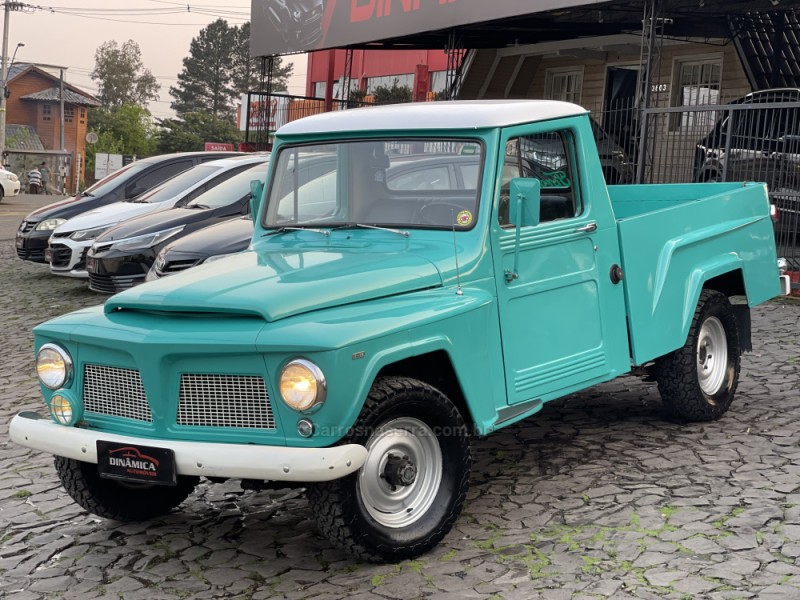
(281, 283)
(111, 214)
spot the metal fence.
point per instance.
(736, 141)
(739, 141)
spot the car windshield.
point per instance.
(109, 182)
(231, 190)
(427, 183)
(178, 184)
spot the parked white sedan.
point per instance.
(9, 183)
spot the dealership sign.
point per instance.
(218, 147)
(262, 113)
(282, 26)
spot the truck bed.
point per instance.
(674, 238)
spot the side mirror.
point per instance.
(525, 201)
(256, 190)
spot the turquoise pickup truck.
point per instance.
(418, 275)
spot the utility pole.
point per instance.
(8, 6)
(4, 75)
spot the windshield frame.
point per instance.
(476, 193)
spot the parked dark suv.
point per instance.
(123, 184)
(756, 140)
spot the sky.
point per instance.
(67, 33)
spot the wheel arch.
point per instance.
(435, 368)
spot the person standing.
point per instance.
(44, 171)
(34, 181)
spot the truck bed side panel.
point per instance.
(669, 253)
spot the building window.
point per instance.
(46, 112)
(406, 80)
(69, 114)
(696, 82)
(564, 84)
(83, 116)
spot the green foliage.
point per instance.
(121, 77)
(125, 129)
(219, 69)
(393, 94)
(194, 129)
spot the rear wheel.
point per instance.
(698, 381)
(118, 500)
(411, 489)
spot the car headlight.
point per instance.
(53, 366)
(65, 409)
(50, 224)
(11, 176)
(147, 240)
(302, 385)
(87, 234)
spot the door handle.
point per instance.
(588, 228)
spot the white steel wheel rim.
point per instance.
(404, 505)
(712, 356)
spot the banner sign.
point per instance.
(218, 147)
(283, 26)
(263, 113)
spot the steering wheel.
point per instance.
(439, 213)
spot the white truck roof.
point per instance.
(464, 114)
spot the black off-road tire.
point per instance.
(678, 375)
(119, 501)
(339, 505)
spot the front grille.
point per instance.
(61, 255)
(224, 401)
(107, 284)
(27, 226)
(115, 392)
(62, 234)
(81, 264)
(34, 255)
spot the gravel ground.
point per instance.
(600, 495)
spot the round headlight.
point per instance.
(64, 409)
(302, 385)
(53, 365)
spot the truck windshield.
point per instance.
(426, 183)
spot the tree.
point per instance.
(247, 70)
(219, 70)
(192, 131)
(121, 77)
(204, 83)
(395, 94)
(126, 129)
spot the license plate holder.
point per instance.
(135, 463)
(91, 264)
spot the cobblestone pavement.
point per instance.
(598, 496)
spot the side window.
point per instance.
(200, 190)
(154, 177)
(550, 158)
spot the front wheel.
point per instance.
(409, 492)
(698, 381)
(118, 500)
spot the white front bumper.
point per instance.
(237, 461)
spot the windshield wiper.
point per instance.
(198, 206)
(284, 229)
(364, 226)
(84, 194)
